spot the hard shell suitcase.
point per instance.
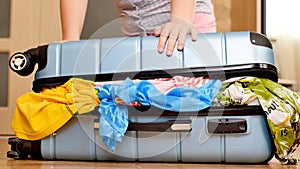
(217, 134)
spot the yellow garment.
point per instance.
(38, 115)
(84, 95)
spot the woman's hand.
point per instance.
(180, 25)
(174, 31)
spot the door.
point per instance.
(23, 25)
(237, 15)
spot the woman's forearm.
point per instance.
(72, 18)
(183, 10)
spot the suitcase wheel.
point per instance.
(15, 155)
(18, 151)
(23, 149)
(21, 63)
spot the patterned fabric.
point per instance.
(281, 106)
(164, 85)
(140, 17)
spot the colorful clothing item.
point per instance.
(38, 115)
(141, 17)
(164, 85)
(281, 106)
(234, 93)
(114, 117)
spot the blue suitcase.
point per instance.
(216, 134)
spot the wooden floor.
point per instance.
(6, 163)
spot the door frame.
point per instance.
(32, 23)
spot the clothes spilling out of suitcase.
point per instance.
(117, 99)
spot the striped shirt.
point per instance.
(140, 17)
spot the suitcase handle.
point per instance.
(167, 126)
(227, 126)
